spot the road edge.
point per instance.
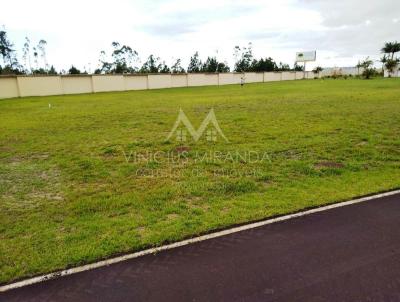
(216, 234)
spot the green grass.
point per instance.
(68, 196)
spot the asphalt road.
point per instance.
(345, 254)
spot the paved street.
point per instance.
(350, 253)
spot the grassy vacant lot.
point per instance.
(68, 194)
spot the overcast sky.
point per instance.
(342, 32)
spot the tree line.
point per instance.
(124, 59)
(389, 61)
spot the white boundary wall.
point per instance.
(179, 80)
(202, 79)
(19, 86)
(311, 75)
(272, 76)
(288, 75)
(108, 83)
(40, 86)
(75, 84)
(226, 79)
(254, 77)
(9, 88)
(134, 82)
(158, 81)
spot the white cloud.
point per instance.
(76, 31)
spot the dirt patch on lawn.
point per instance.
(182, 149)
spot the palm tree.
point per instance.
(383, 60)
(317, 70)
(391, 48)
(388, 60)
(391, 65)
(367, 66)
(358, 66)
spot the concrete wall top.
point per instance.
(81, 75)
(6, 76)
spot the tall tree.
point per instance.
(317, 70)
(392, 65)
(212, 65)
(390, 62)
(163, 68)
(243, 58)
(195, 64)
(26, 50)
(123, 58)
(176, 67)
(74, 70)
(35, 58)
(359, 66)
(42, 49)
(391, 48)
(298, 67)
(105, 67)
(152, 65)
(368, 70)
(7, 50)
(223, 67)
(283, 67)
(52, 70)
(8, 54)
(267, 64)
